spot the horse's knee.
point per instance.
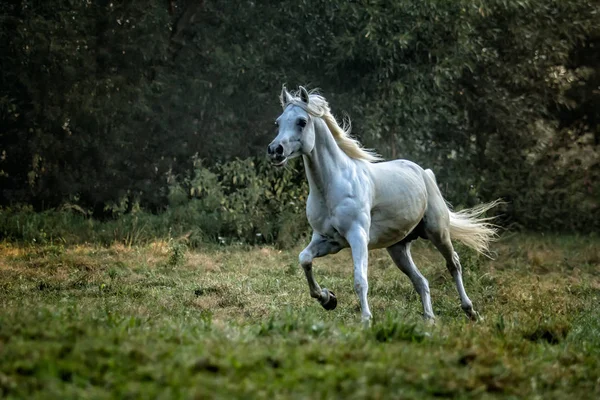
(360, 285)
(305, 258)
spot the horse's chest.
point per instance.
(321, 218)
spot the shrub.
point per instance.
(245, 201)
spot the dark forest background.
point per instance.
(156, 114)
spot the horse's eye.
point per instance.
(276, 123)
(301, 123)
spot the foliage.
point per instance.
(241, 200)
(104, 104)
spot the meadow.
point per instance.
(162, 320)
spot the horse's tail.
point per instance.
(469, 227)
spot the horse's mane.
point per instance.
(318, 107)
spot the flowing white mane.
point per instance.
(318, 107)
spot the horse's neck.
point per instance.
(326, 161)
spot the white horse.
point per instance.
(358, 203)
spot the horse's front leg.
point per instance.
(319, 246)
(358, 239)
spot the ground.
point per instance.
(162, 321)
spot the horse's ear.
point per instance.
(285, 97)
(303, 95)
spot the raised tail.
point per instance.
(467, 226)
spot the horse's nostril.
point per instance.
(270, 150)
(279, 150)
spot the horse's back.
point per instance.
(398, 179)
(399, 201)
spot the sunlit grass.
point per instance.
(159, 320)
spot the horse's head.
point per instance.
(296, 132)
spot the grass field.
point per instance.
(161, 321)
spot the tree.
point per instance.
(101, 102)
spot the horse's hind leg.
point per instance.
(437, 229)
(441, 240)
(400, 253)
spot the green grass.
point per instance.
(161, 321)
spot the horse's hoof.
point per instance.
(474, 316)
(330, 301)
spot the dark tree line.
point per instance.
(106, 101)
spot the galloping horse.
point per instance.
(357, 202)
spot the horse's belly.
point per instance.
(386, 233)
(389, 225)
(399, 204)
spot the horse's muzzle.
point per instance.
(276, 154)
